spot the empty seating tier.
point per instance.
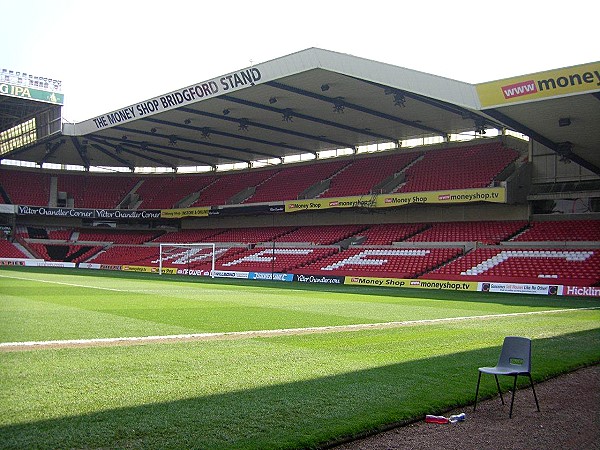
(166, 192)
(458, 168)
(383, 262)
(565, 230)
(545, 266)
(97, 191)
(361, 177)
(487, 232)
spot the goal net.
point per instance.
(187, 256)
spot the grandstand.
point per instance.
(340, 170)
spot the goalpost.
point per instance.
(185, 254)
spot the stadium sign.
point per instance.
(81, 213)
(191, 94)
(31, 94)
(553, 83)
(520, 288)
(412, 283)
(493, 195)
(184, 212)
(319, 279)
(270, 276)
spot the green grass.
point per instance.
(256, 393)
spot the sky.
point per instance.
(110, 54)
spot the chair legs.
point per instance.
(534, 396)
(477, 391)
(499, 391)
(512, 400)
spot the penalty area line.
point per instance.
(70, 343)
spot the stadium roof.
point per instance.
(316, 100)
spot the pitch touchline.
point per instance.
(67, 284)
(7, 346)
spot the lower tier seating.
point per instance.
(9, 250)
(545, 266)
(383, 262)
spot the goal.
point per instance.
(185, 256)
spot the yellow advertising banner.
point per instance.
(412, 283)
(551, 83)
(364, 201)
(144, 269)
(183, 212)
(493, 195)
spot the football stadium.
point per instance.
(296, 254)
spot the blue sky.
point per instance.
(111, 54)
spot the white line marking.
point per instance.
(13, 346)
(68, 284)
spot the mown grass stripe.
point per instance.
(7, 346)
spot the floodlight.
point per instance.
(287, 115)
(243, 126)
(338, 105)
(564, 122)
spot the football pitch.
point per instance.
(116, 360)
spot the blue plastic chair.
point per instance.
(515, 360)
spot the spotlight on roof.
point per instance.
(272, 100)
(565, 149)
(153, 130)
(187, 121)
(287, 115)
(324, 87)
(564, 122)
(124, 138)
(243, 126)
(338, 105)
(172, 140)
(226, 112)
(205, 132)
(399, 99)
(479, 125)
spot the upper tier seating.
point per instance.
(567, 230)
(165, 192)
(26, 188)
(458, 168)
(445, 168)
(227, 186)
(95, 191)
(487, 232)
(290, 182)
(383, 262)
(360, 177)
